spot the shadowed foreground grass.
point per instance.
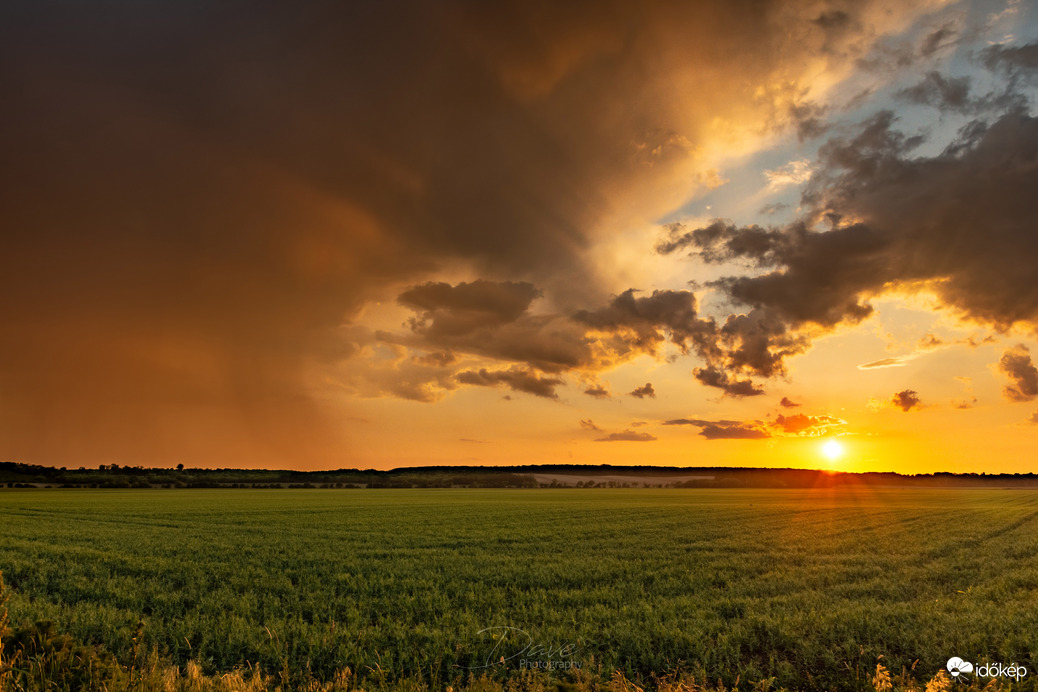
(38, 659)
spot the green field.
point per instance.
(807, 587)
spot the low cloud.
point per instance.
(515, 379)
(627, 436)
(906, 400)
(725, 429)
(1016, 364)
(802, 425)
(589, 424)
(796, 425)
(895, 362)
(927, 343)
(598, 392)
(788, 403)
(733, 430)
(644, 391)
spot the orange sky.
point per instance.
(669, 233)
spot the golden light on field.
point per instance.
(832, 449)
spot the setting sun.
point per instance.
(832, 449)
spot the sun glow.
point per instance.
(832, 449)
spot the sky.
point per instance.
(320, 235)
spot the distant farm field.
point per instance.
(809, 588)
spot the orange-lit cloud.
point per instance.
(598, 392)
(795, 425)
(646, 390)
(906, 400)
(1016, 364)
(627, 436)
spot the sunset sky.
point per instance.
(323, 234)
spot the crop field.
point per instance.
(808, 589)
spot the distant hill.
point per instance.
(17, 475)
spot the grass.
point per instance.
(793, 589)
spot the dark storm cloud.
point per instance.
(598, 392)
(726, 429)
(1016, 364)
(627, 436)
(492, 319)
(809, 119)
(754, 343)
(938, 39)
(515, 379)
(733, 432)
(714, 377)
(195, 196)
(650, 320)
(906, 400)
(644, 391)
(745, 345)
(757, 343)
(843, 259)
(952, 93)
(962, 221)
(548, 342)
(1012, 58)
(440, 358)
(833, 20)
(445, 310)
